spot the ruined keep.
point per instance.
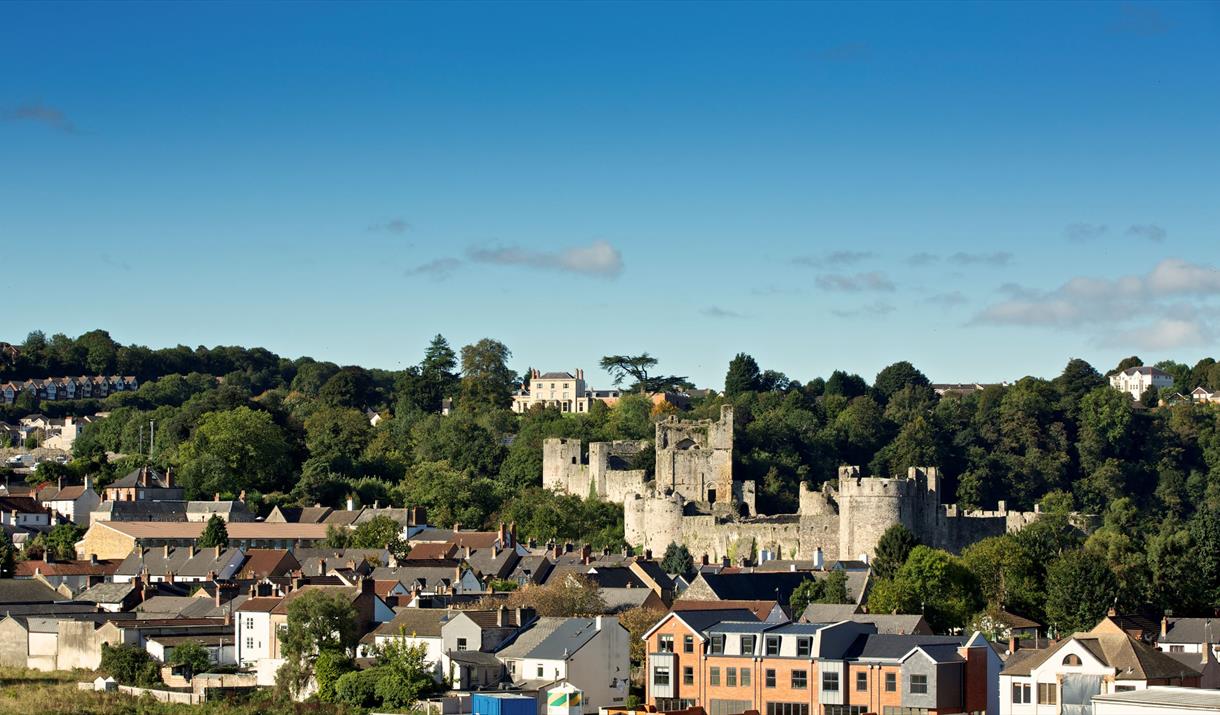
(694, 500)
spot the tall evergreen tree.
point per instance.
(892, 551)
(216, 533)
(743, 376)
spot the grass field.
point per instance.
(30, 692)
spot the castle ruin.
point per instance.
(694, 500)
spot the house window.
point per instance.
(1020, 693)
(1123, 688)
(861, 681)
(1071, 659)
(713, 676)
(1177, 649)
(745, 677)
(787, 709)
(769, 678)
(1047, 693)
(540, 671)
(461, 644)
(688, 644)
(772, 645)
(249, 644)
(660, 676)
(688, 676)
(919, 685)
(249, 622)
(730, 677)
(803, 647)
(891, 682)
(718, 644)
(800, 679)
(665, 643)
(747, 645)
(830, 681)
(845, 710)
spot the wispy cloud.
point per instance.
(1148, 231)
(713, 311)
(109, 260)
(596, 259)
(922, 259)
(997, 258)
(948, 300)
(1111, 307)
(41, 114)
(876, 309)
(438, 269)
(871, 281)
(394, 225)
(1084, 231)
(774, 290)
(834, 258)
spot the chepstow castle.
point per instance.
(694, 500)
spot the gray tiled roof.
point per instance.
(107, 593)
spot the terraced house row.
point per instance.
(68, 388)
(727, 662)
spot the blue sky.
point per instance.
(986, 190)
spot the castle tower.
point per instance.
(663, 518)
(867, 507)
(695, 458)
(560, 463)
(634, 531)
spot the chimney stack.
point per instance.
(217, 547)
(60, 483)
(216, 496)
(1164, 626)
(502, 534)
(501, 616)
(366, 584)
(169, 477)
(1014, 643)
(512, 534)
(350, 505)
(648, 554)
(165, 551)
(93, 559)
(190, 551)
(322, 567)
(586, 554)
(457, 526)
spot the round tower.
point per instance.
(634, 532)
(663, 517)
(867, 507)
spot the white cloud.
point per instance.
(834, 258)
(876, 309)
(1135, 310)
(598, 259)
(871, 281)
(1149, 231)
(997, 258)
(713, 311)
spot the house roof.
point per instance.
(107, 593)
(237, 530)
(22, 505)
(474, 657)
(773, 585)
(311, 558)
(67, 494)
(761, 609)
(103, 567)
(303, 515)
(266, 563)
(1191, 630)
(556, 376)
(876, 646)
(156, 479)
(551, 639)
(1145, 370)
(701, 620)
(259, 604)
(1166, 697)
(432, 550)
(416, 622)
(1131, 659)
(27, 591)
(180, 561)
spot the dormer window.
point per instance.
(1072, 659)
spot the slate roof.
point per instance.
(304, 515)
(535, 568)
(180, 562)
(474, 657)
(187, 607)
(551, 639)
(266, 563)
(1167, 697)
(237, 530)
(419, 622)
(556, 376)
(27, 591)
(22, 505)
(1191, 630)
(754, 586)
(107, 593)
(874, 646)
(311, 558)
(702, 620)
(156, 479)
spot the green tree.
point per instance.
(330, 666)
(130, 665)
(215, 533)
(192, 655)
(832, 589)
(406, 674)
(677, 559)
(234, 450)
(743, 376)
(61, 540)
(380, 532)
(1079, 589)
(350, 387)
(487, 383)
(1127, 362)
(8, 555)
(892, 550)
(318, 621)
(847, 385)
(337, 435)
(1004, 574)
(931, 582)
(894, 377)
(358, 688)
(638, 367)
(437, 376)
(337, 537)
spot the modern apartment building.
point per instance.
(728, 663)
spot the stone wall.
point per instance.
(14, 644)
(695, 457)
